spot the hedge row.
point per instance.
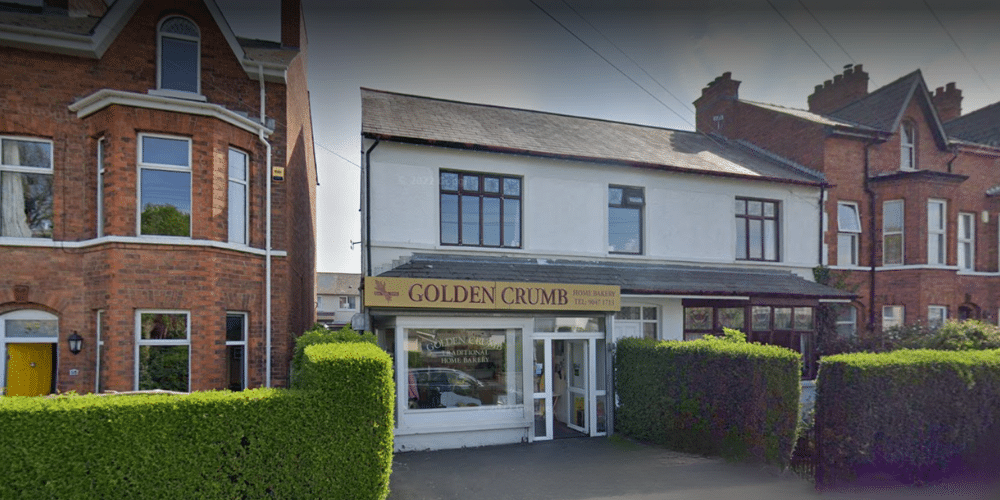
(711, 397)
(915, 415)
(327, 440)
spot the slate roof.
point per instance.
(882, 108)
(50, 20)
(633, 278)
(424, 120)
(807, 115)
(337, 283)
(981, 126)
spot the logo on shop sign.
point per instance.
(380, 290)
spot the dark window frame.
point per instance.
(745, 218)
(482, 193)
(629, 192)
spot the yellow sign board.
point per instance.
(426, 293)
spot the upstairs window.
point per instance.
(178, 43)
(937, 251)
(892, 232)
(25, 188)
(480, 210)
(966, 241)
(848, 234)
(756, 229)
(164, 186)
(907, 146)
(348, 302)
(625, 206)
(238, 207)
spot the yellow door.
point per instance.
(29, 369)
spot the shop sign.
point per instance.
(489, 295)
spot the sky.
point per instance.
(640, 62)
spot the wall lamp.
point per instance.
(75, 342)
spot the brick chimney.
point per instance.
(291, 23)
(715, 100)
(948, 102)
(841, 91)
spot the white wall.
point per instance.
(688, 218)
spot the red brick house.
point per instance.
(157, 193)
(912, 215)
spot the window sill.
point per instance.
(177, 94)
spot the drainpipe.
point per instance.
(267, 244)
(954, 152)
(871, 241)
(368, 207)
(822, 194)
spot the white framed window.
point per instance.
(892, 316)
(625, 219)
(99, 370)
(25, 187)
(178, 47)
(936, 315)
(236, 351)
(645, 317)
(100, 187)
(892, 232)
(967, 241)
(163, 350)
(239, 210)
(164, 185)
(907, 146)
(848, 233)
(847, 321)
(348, 302)
(937, 225)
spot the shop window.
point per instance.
(789, 327)
(645, 317)
(966, 241)
(625, 207)
(236, 351)
(238, 206)
(164, 186)
(463, 368)
(480, 210)
(757, 229)
(701, 320)
(163, 341)
(848, 233)
(25, 188)
(907, 146)
(892, 316)
(179, 55)
(892, 232)
(936, 316)
(937, 250)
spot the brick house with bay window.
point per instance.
(912, 215)
(157, 193)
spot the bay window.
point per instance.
(162, 350)
(25, 188)
(966, 241)
(164, 185)
(237, 202)
(848, 234)
(937, 250)
(892, 232)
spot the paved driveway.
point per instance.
(605, 469)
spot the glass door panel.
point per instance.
(542, 387)
(577, 378)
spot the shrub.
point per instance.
(323, 441)
(917, 415)
(319, 334)
(711, 396)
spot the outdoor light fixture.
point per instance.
(75, 343)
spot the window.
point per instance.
(236, 351)
(25, 188)
(847, 321)
(480, 210)
(179, 49)
(966, 241)
(238, 208)
(892, 316)
(936, 316)
(644, 316)
(892, 232)
(907, 148)
(100, 187)
(348, 303)
(164, 186)
(700, 320)
(756, 229)
(162, 350)
(625, 219)
(849, 232)
(937, 251)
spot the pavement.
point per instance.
(619, 469)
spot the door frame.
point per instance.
(27, 314)
(589, 340)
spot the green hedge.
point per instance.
(917, 415)
(712, 397)
(328, 440)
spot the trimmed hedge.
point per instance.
(712, 397)
(324, 441)
(917, 415)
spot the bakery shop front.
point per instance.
(491, 362)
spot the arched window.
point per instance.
(907, 146)
(179, 48)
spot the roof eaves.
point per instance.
(819, 176)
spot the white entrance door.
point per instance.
(567, 398)
(577, 384)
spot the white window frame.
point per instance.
(140, 165)
(160, 35)
(901, 232)
(99, 340)
(100, 187)
(907, 146)
(139, 341)
(936, 316)
(966, 241)
(890, 318)
(937, 234)
(242, 343)
(642, 322)
(348, 298)
(848, 233)
(18, 169)
(245, 184)
(852, 321)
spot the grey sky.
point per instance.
(511, 53)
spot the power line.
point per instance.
(801, 37)
(686, 107)
(612, 64)
(827, 32)
(957, 46)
